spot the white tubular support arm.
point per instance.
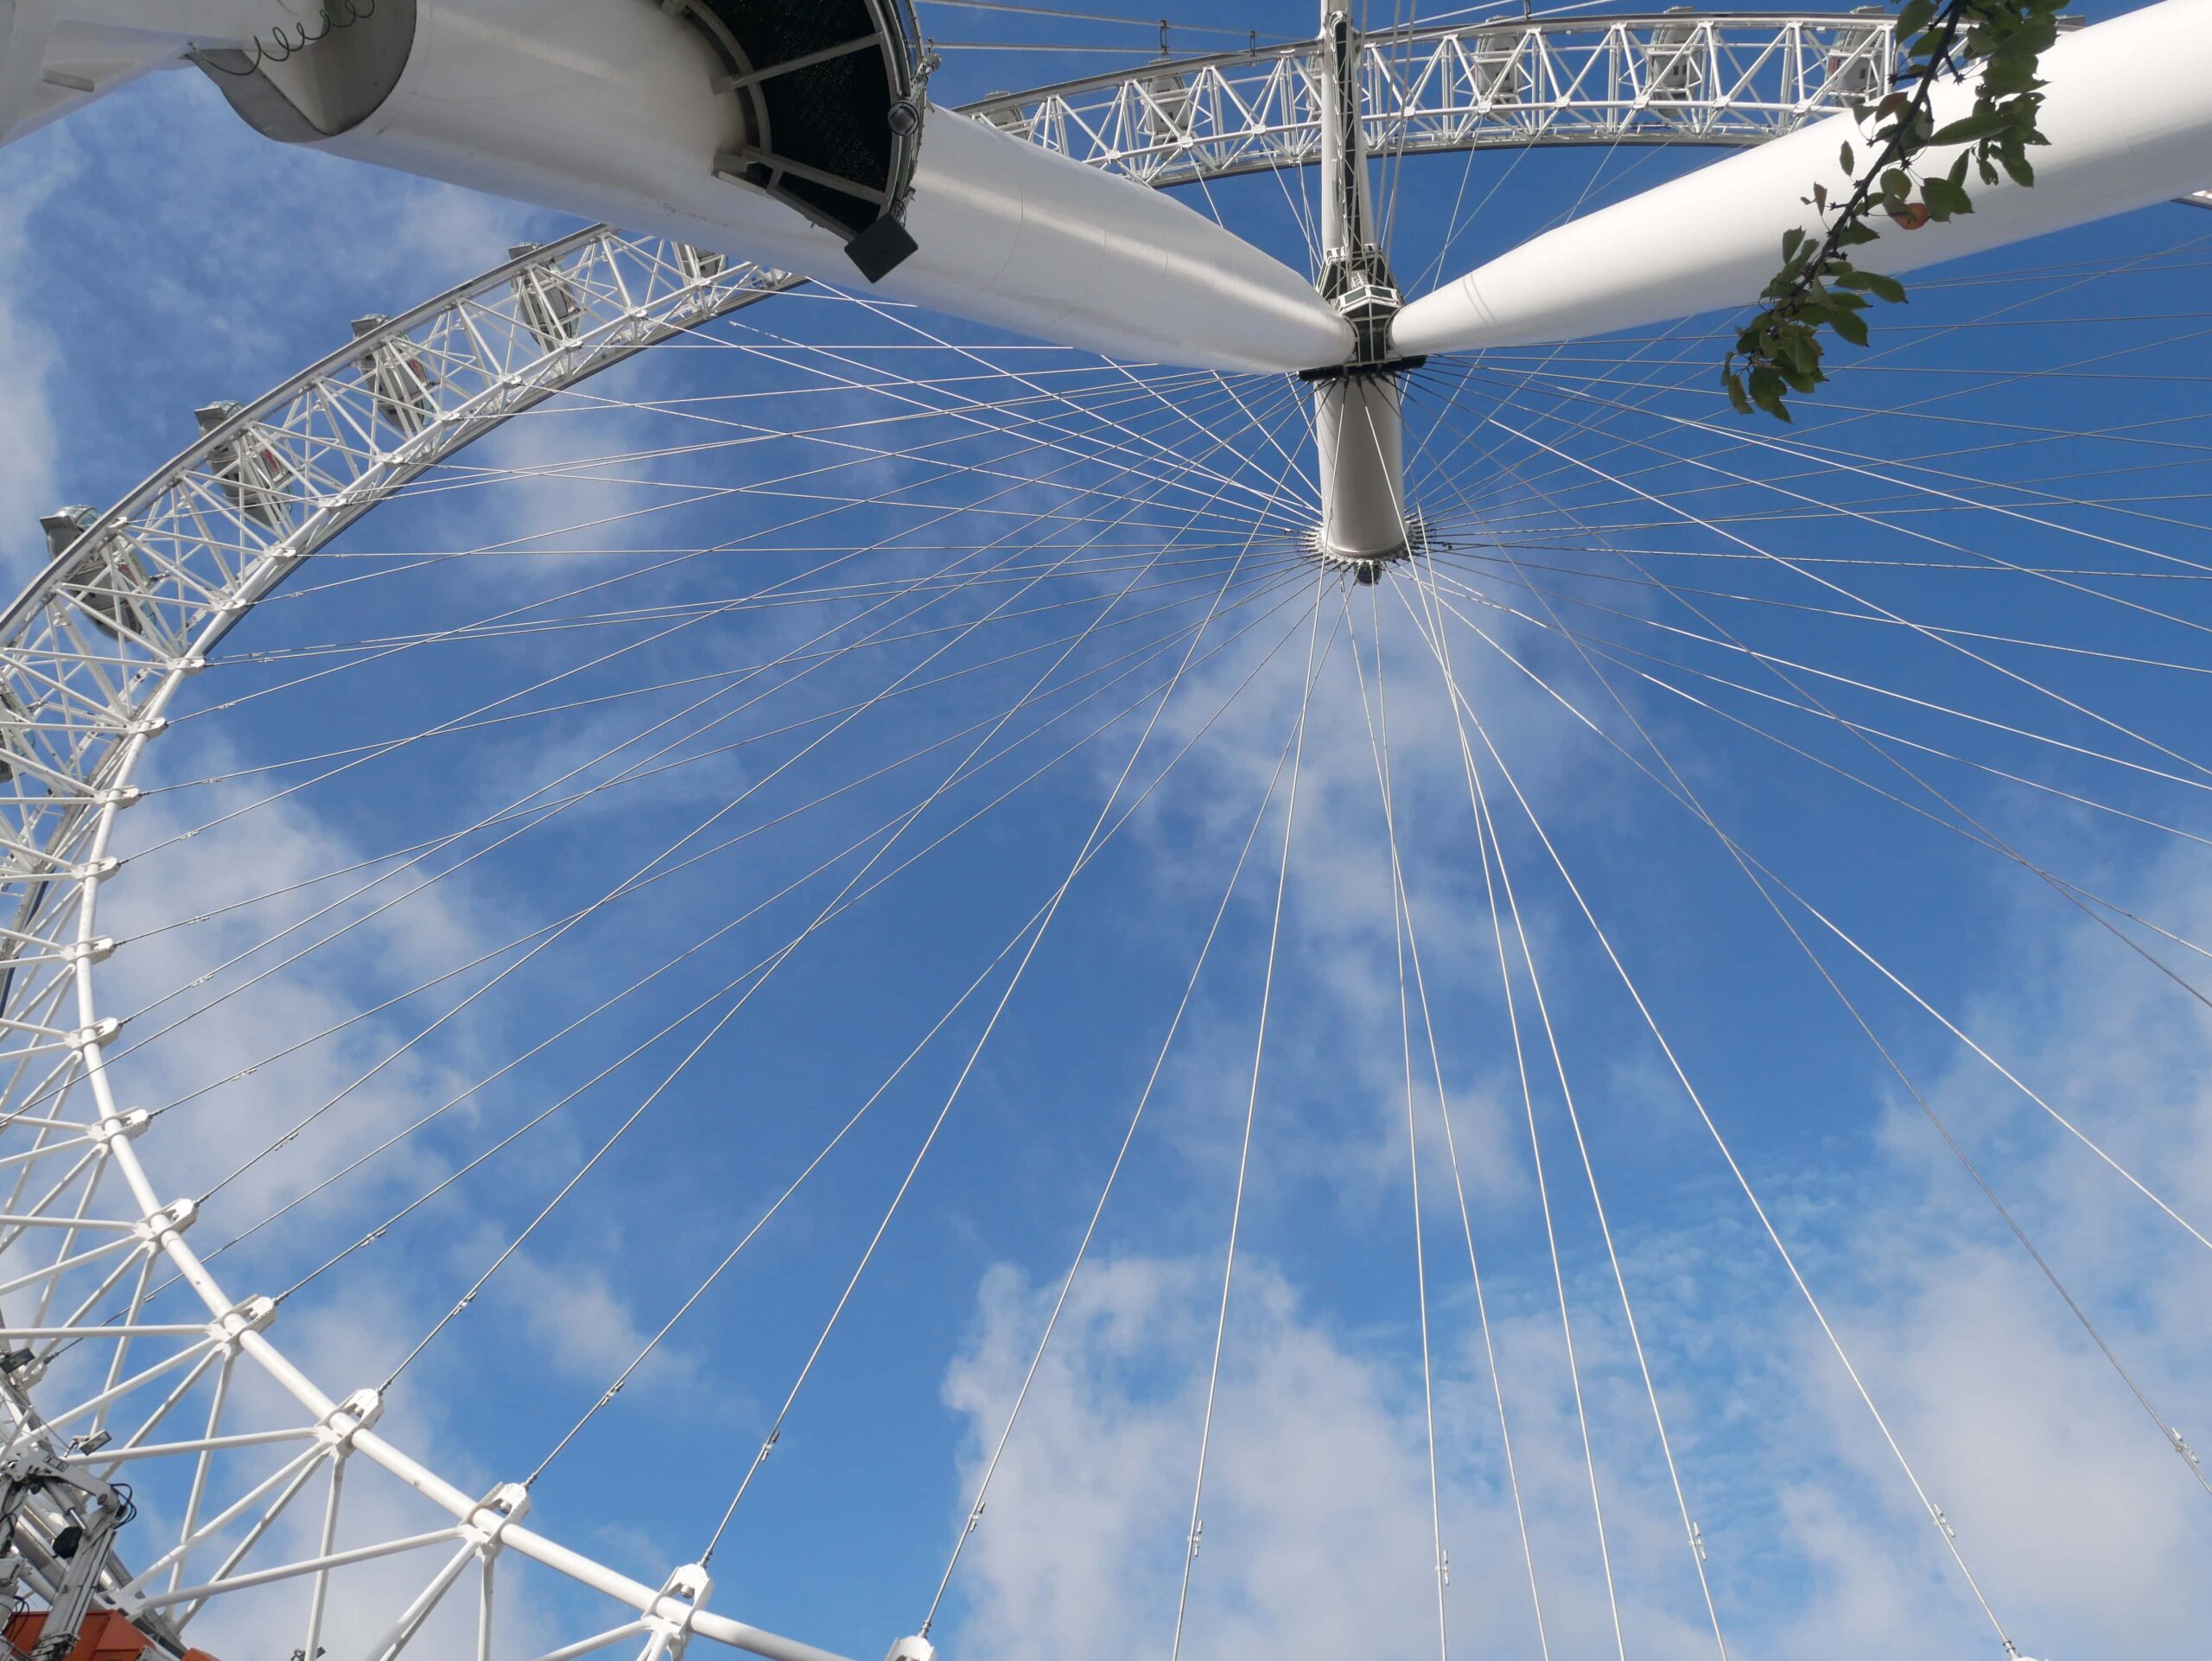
(2128, 113)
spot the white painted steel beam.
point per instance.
(2128, 113)
(613, 112)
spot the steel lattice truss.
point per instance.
(90, 657)
(1658, 80)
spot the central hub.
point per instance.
(1359, 424)
(1359, 428)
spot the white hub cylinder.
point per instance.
(1359, 421)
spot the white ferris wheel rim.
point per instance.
(492, 353)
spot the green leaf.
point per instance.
(1851, 326)
(1848, 158)
(1884, 288)
(2017, 168)
(1792, 240)
(1945, 199)
(1738, 398)
(1767, 391)
(1982, 123)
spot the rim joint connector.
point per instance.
(171, 1220)
(254, 1314)
(357, 1413)
(125, 1127)
(507, 1504)
(688, 1588)
(98, 1035)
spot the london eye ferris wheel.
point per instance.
(1098, 870)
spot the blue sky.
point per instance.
(160, 256)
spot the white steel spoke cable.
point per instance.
(453, 1178)
(1252, 1112)
(2135, 435)
(1126, 667)
(701, 857)
(737, 1005)
(393, 745)
(1377, 716)
(522, 546)
(564, 674)
(1033, 928)
(650, 688)
(608, 1397)
(1693, 339)
(1489, 849)
(1482, 1300)
(1430, 627)
(1135, 806)
(875, 381)
(1932, 333)
(1777, 664)
(975, 1512)
(452, 476)
(1174, 410)
(1760, 878)
(746, 542)
(1480, 562)
(1982, 831)
(549, 809)
(2065, 890)
(1951, 645)
(1589, 185)
(1099, 828)
(414, 853)
(1946, 824)
(628, 883)
(1620, 655)
(1851, 466)
(1083, 446)
(690, 835)
(1935, 1517)
(1267, 568)
(1761, 875)
(940, 514)
(1111, 563)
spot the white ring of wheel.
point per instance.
(94, 649)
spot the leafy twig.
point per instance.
(1780, 351)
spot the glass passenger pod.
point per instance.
(1500, 69)
(257, 475)
(699, 264)
(106, 579)
(1857, 70)
(15, 730)
(1674, 67)
(402, 384)
(546, 300)
(1008, 118)
(1168, 107)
